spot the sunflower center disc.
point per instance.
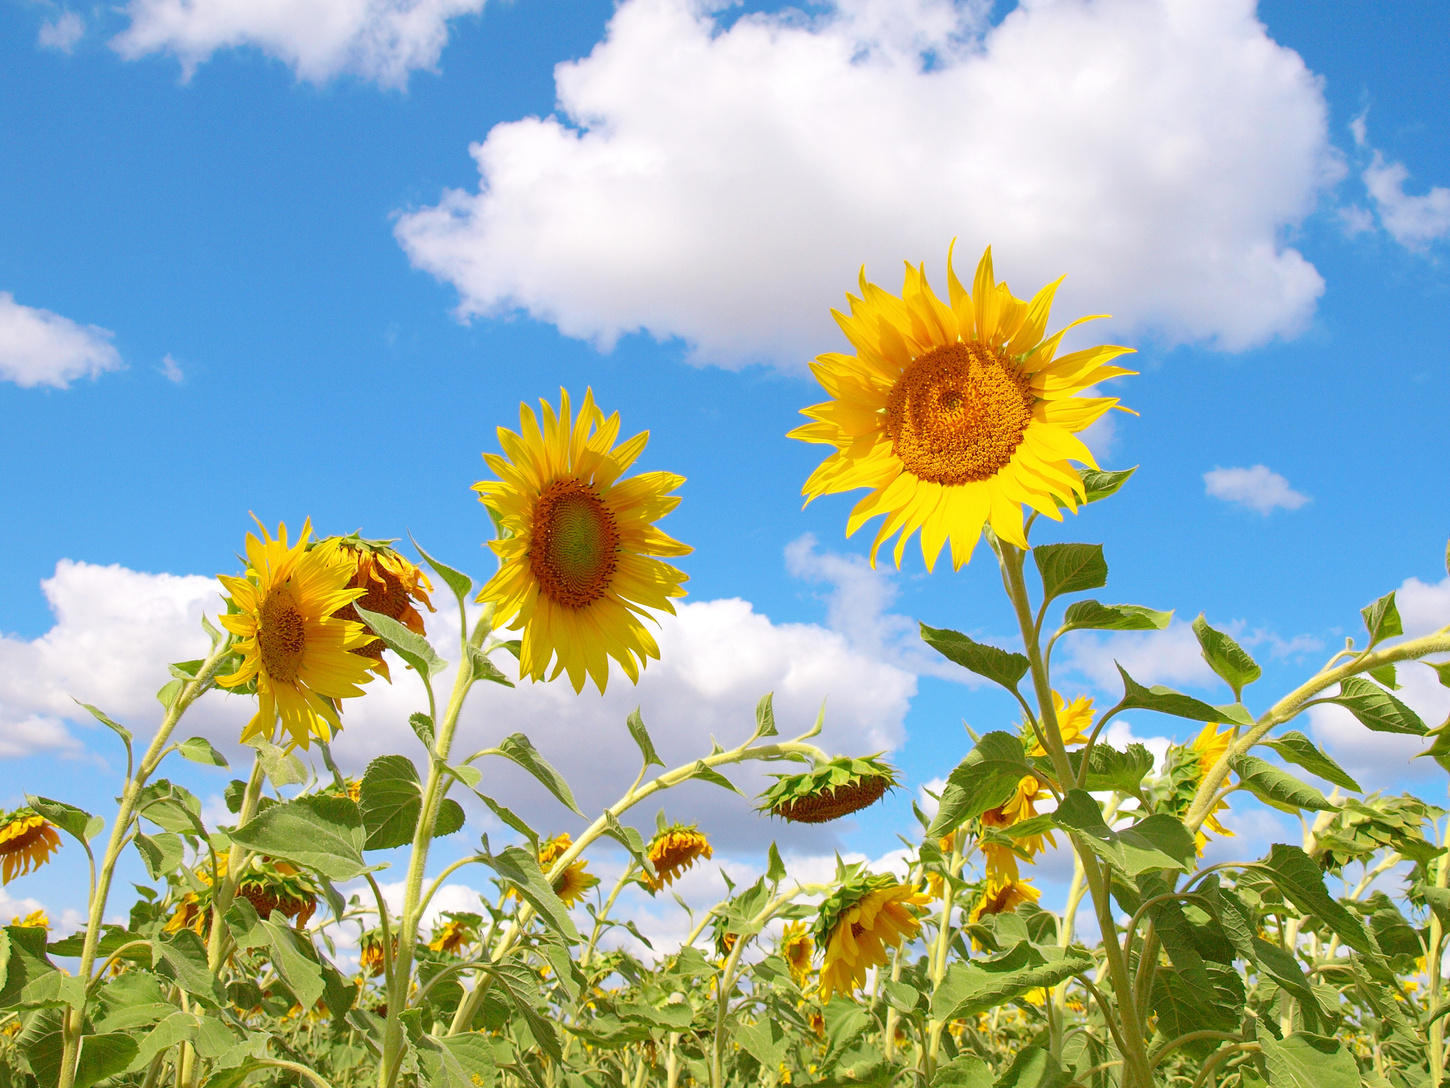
(576, 544)
(282, 635)
(957, 413)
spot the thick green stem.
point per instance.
(101, 890)
(226, 888)
(940, 947)
(1435, 952)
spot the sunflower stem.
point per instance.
(940, 947)
(72, 1021)
(226, 887)
(604, 913)
(1135, 1060)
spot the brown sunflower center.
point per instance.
(576, 544)
(957, 413)
(282, 634)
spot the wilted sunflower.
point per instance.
(391, 585)
(857, 923)
(954, 414)
(797, 948)
(27, 840)
(1003, 893)
(1074, 719)
(672, 851)
(271, 884)
(293, 646)
(829, 791)
(577, 543)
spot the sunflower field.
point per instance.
(1318, 965)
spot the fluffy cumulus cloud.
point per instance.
(1171, 656)
(1383, 760)
(380, 40)
(38, 347)
(721, 183)
(116, 629)
(1259, 488)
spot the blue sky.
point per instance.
(226, 286)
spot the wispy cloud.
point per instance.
(1259, 488)
(63, 33)
(171, 369)
(1412, 220)
(38, 347)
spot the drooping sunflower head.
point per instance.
(271, 884)
(459, 930)
(391, 585)
(293, 646)
(954, 413)
(797, 948)
(857, 923)
(673, 850)
(574, 883)
(370, 954)
(27, 841)
(1001, 894)
(578, 545)
(829, 791)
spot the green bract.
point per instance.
(835, 788)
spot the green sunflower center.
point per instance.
(281, 635)
(957, 413)
(576, 544)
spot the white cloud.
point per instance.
(1423, 607)
(379, 40)
(63, 33)
(171, 370)
(1171, 656)
(1259, 488)
(117, 629)
(722, 184)
(38, 347)
(1413, 221)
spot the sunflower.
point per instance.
(1074, 719)
(1022, 805)
(857, 923)
(832, 790)
(797, 948)
(292, 645)
(573, 882)
(27, 840)
(36, 919)
(672, 851)
(1003, 893)
(370, 955)
(954, 414)
(459, 930)
(576, 543)
(391, 585)
(1209, 747)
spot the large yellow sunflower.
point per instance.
(27, 840)
(578, 543)
(954, 414)
(298, 652)
(858, 936)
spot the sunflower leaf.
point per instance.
(1376, 708)
(74, 821)
(1165, 701)
(642, 738)
(1382, 619)
(1303, 1060)
(521, 869)
(988, 981)
(706, 773)
(1069, 568)
(456, 580)
(765, 717)
(199, 750)
(1091, 615)
(985, 779)
(120, 730)
(521, 750)
(630, 839)
(998, 665)
(1099, 484)
(1157, 842)
(1300, 880)
(775, 873)
(1296, 748)
(412, 648)
(315, 831)
(484, 669)
(1278, 789)
(1226, 657)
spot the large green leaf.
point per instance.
(1226, 657)
(1376, 708)
(998, 665)
(982, 781)
(518, 748)
(1308, 1061)
(963, 1071)
(317, 832)
(460, 583)
(1183, 1005)
(181, 957)
(391, 797)
(765, 1041)
(641, 736)
(1108, 768)
(1034, 1067)
(295, 960)
(68, 818)
(1295, 747)
(989, 981)
(1277, 787)
(178, 1027)
(1092, 615)
(1099, 483)
(411, 647)
(1157, 842)
(1069, 568)
(457, 1061)
(521, 869)
(1296, 875)
(1166, 701)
